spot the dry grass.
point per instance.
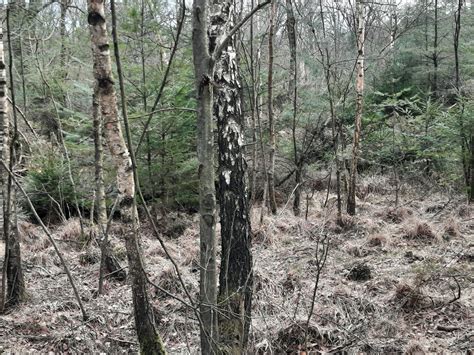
(376, 240)
(420, 231)
(395, 215)
(408, 297)
(414, 348)
(451, 229)
(385, 314)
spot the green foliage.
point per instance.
(48, 185)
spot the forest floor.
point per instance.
(396, 280)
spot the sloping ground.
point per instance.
(391, 283)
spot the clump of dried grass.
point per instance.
(408, 297)
(89, 257)
(169, 281)
(260, 237)
(419, 231)
(70, 230)
(340, 225)
(355, 250)
(376, 240)
(464, 211)
(395, 215)
(414, 348)
(451, 229)
(291, 339)
(292, 282)
(359, 272)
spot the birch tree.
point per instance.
(235, 278)
(16, 292)
(360, 34)
(150, 341)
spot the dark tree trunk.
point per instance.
(293, 95)
(271, 116)
(471, 194)
(435, 56)
(235, 278)
(203, 69)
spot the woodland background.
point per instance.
(393, 275)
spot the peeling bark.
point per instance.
(236, 277)
(109, 262)
(150, 342)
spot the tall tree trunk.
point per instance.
(351, 203)
(4, 150)
(471, 194)
(235, 278)
(435, 57)
(293, 95)
(464, 140)
(150, 342)
(203, 69)
(271, 118)
(457, 33)
(16, 292)
(63, 34)
(253, 109)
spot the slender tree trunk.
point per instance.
(471, 194)
(16, 292)
(4, 150)
(457, 33)
(150, 342)
(253, 108)
(434, 85)
(464, 148)
(336, 132)
(235, 278)
(63, 34)
(351, 203)
(293, 95)
(271, 118)
(109, 263)
(203, 69)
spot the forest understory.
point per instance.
(396, 280)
